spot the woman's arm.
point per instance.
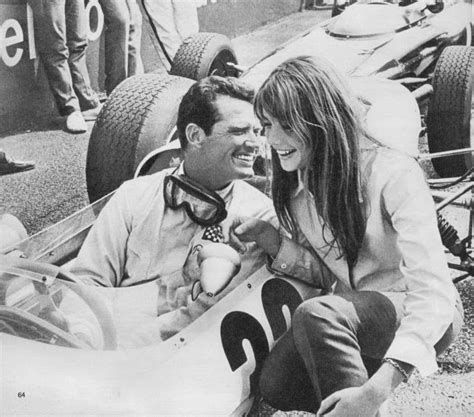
(288, 257)
(429, 304)
(239, 229)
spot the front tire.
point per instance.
(205, 54)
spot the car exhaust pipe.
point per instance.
(464, 201)
(423, 92)
(442, 154)
(458, 198)
(239, 68)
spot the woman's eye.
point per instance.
(287, 128)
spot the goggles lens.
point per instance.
(204, 207)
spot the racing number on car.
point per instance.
(238, 326)
(277, 293)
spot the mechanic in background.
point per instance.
(172, 22)
(367, 212)
(123, 32)
(61, 36)
(139, 238)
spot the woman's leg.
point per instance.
(331, 334)
(284, 381)
(321, 353)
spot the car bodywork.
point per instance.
(378, 38)
(209, 368)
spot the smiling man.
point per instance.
(149, 230)
(219, 132)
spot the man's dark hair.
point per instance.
(197, 105)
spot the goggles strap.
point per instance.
(173, 183)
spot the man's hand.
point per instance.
(356, 402)
(238, 229)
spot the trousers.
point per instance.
(122, 38)
(335, 342)
(172, 21)
(61, 38)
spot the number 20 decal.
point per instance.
(238, 326)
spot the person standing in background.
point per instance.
(61, 34)
(172, 22)
(123, 31)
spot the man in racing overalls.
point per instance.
(139, 237)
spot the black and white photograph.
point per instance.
(246, 208)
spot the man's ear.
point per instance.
(195, 134)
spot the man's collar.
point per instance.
(224, 192)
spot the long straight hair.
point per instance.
(307, 95)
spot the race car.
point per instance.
(50, 366)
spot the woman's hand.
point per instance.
(356, 402)
(366, 400)
(238, 229)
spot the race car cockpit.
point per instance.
(41, 302)
(367, 18)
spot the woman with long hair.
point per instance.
(357, 219)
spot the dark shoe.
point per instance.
(9, 166)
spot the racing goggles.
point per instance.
(203, 206)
